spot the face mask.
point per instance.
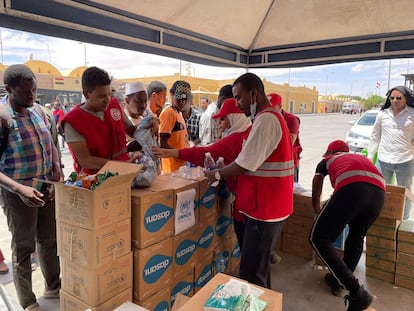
(253, 110)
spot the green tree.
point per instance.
(374, 100)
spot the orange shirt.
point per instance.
(172, 123)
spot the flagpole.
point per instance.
(389, 74)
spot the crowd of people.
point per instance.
(257, 139)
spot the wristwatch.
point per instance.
(217, 175)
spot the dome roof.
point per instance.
(38, 66)
(77, 72)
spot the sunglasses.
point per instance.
(395, 97)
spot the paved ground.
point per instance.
(299, 282)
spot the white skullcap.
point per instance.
(134, 87)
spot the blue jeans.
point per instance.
(404, 173)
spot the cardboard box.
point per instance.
(395, 202)
(95, 286)
(165, 182)
(380, 274)
(208, 203)
(70, 303)
(297, 245)
(207, 238)
(152, 269)
(379, 242)
(203, 273)
(235, 254)
(405, 259)
(386, 232)
(404, 281)
(93, 248)
(384, 265)
(183, 285)
(302, 204)
(299, 225)
(224, 227)
(109, 203)
(381, 253)
(406, 231)
(157, 302)
(185, 253)
(152, 216)
(274, 299)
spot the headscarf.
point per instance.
(408, 94)
(238, 123)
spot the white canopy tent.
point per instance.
(241, 33)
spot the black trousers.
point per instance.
(358, 205)
(255, 253)
(29, 226)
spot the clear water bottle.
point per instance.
(209, 163)
(220, 263)
(220, 163)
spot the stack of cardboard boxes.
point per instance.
(169, 259)
(381, 239)
(94, 238)
(404, 274)
(295, 234)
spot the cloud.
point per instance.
(357, 77)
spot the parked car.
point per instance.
(358, 136)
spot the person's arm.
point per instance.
(317, 184)
(30, 196)
(84, 157)
(233, 169)
(375, 137)
(165, 153)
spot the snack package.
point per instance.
(235, 296)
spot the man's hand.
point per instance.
(30, 196)
(211, 175)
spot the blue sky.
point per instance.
(356, 78)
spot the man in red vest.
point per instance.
(265, 178)
(357, 201)
(95, 130)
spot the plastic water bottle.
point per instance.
(220, 163)
(220, 263)
(209, 163)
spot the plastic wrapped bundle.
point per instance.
(147, 135)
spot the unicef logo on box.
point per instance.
(157, 216)
(155, 268)
(206, 238)
(184, 251)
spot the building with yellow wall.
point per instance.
(296, 99)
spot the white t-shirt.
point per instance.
(263, 139)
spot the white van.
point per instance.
(350, 107)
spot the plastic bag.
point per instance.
(146, 137)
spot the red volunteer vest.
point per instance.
(347, 168)
(104, 138)
(267, 193)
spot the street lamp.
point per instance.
(84, 53)
(326, 84)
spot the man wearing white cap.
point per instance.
(135, 101)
